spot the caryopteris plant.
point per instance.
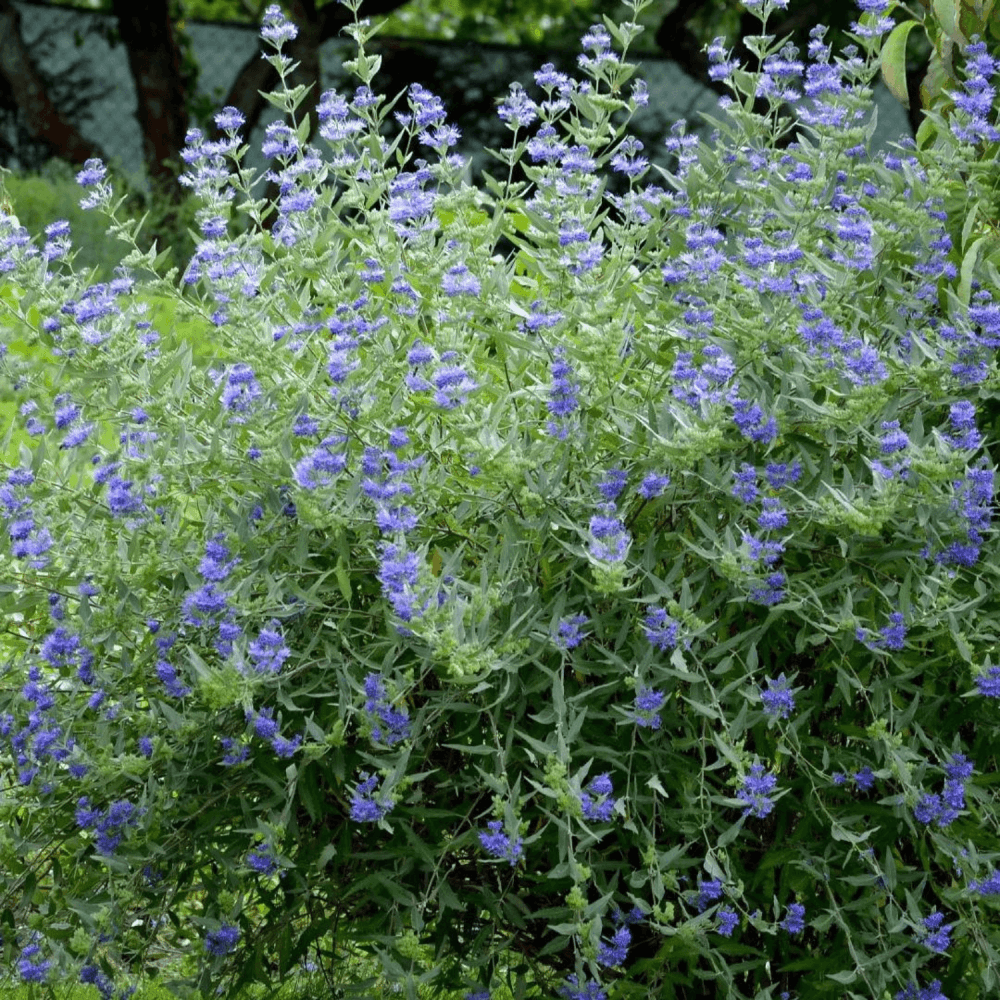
(539, 588)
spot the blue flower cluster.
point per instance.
(944, 809)
(366, 807)
(596, 800)
(613, 954)
(794, 921)
(892, 636)
(262, 860)
(110, 825)
(934, 933)
(30, 967)
(91, 975)
(389, 725)
(575, 989)
(914, 992)
(567, 634)
(647, 706)
(28, 540)
(223, 940)
(563, 401)
(778, 699)
(863, 779)
(610, 540)
(756, 791)
(500, 845)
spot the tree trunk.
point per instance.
(155, 61)
(42, 117)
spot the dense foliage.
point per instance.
(537, 586)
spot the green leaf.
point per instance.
(970, 222)
(656, 785)
(843, 977)
(980, 248)
(728, 836)
(934, 81)
(894, 60)
(302, 132)
(839, 832)
(946, 13)
(343, 579)
(926, 133)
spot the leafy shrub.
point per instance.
(614, 615)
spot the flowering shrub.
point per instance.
(612, 616)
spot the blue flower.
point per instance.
(647, 704)
(222, 941)
(459, 280)
(92, 976)
(596, 799)
(453, 386)
(575, 990)
(568, 634)
(661, 630)
(519, 110)
(262, 860)
(753, 423)
(976, 103)
(30, 968)
(892, 636)
(779, 702)
(286, 747)
(389, 725)
(364, 807)
(708, 893)
(772, 591)
(912, 992)
(264, 724)
(727, 921)
(894, 439)
(236, 752)
(563, 400)
(794, 921)
(756, 791)
(780, 474)
(653, 485)
(989, 886)
(864, 779)
(962, 417)
(945, 808)
(935, 934)
(499, 844)
(611, 541)
(615, 953)
(612, 485)
(773, 516)
(268, 651)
